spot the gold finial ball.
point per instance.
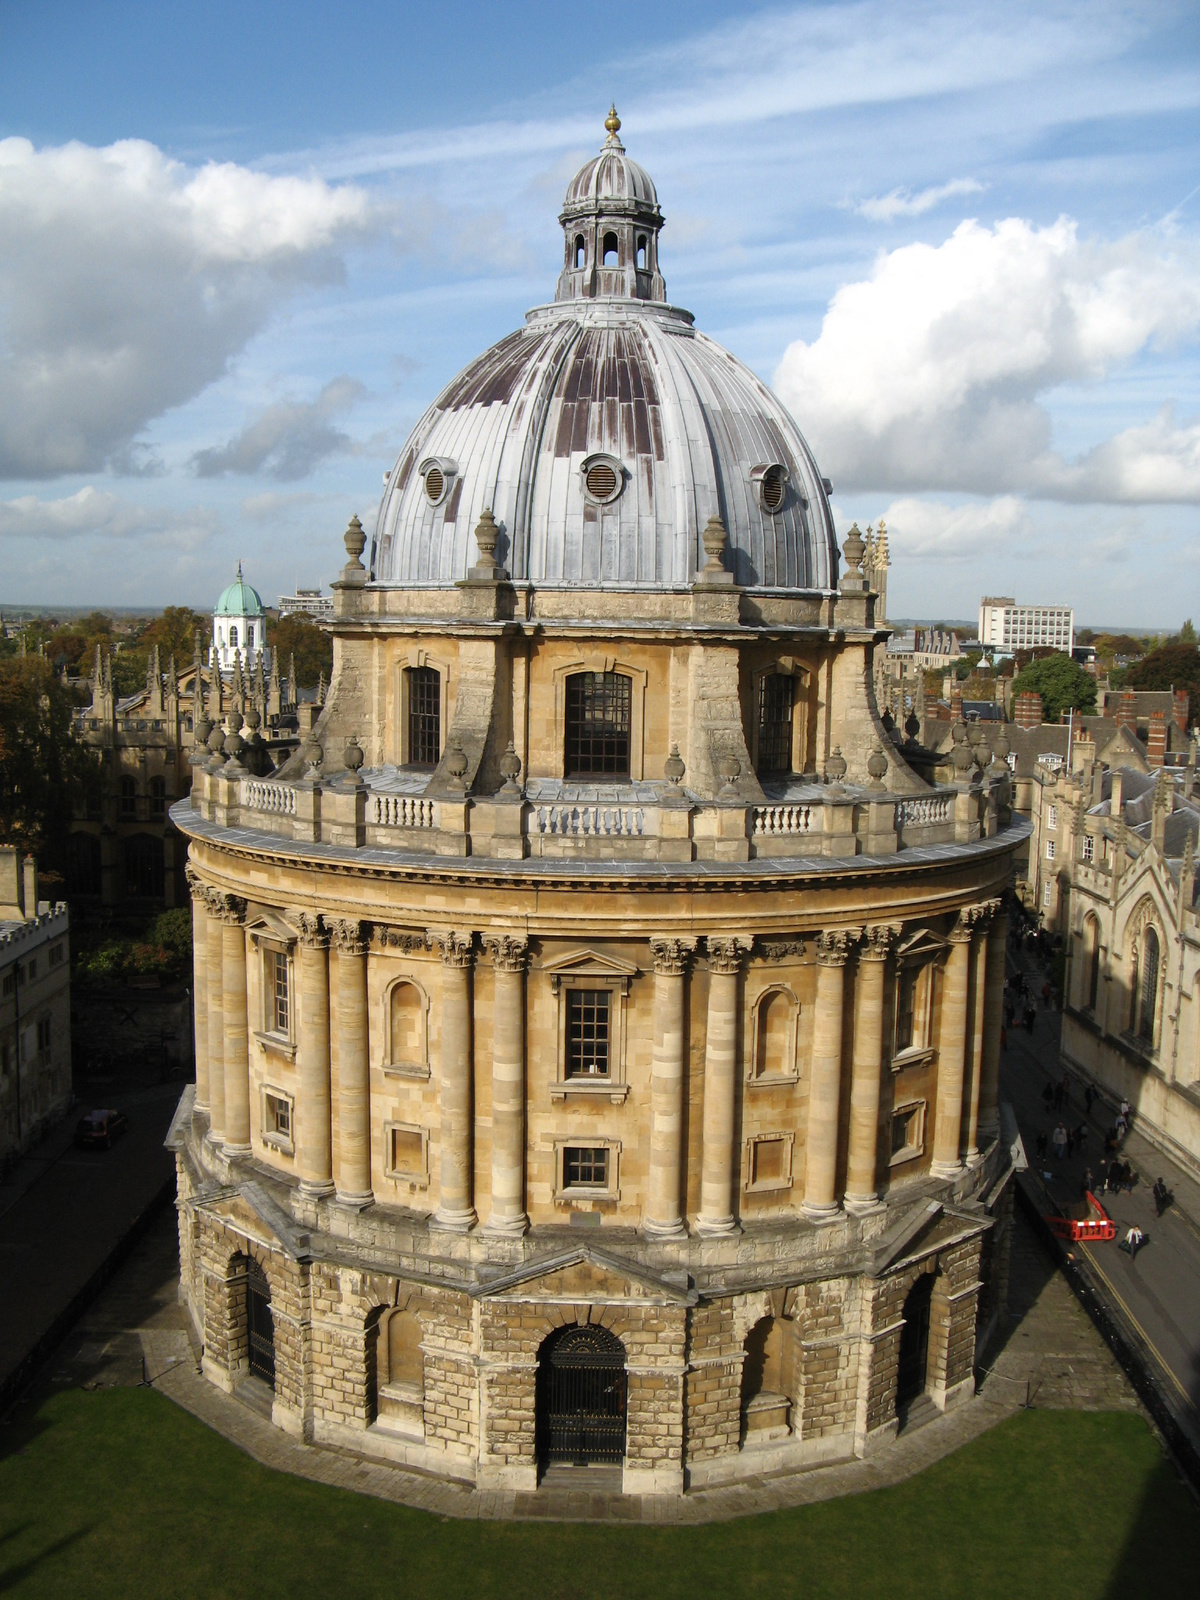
(612, 121)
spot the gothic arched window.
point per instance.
(1149, 976)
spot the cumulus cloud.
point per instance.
(97, 513)
(128, 281)
(903, 203)
(930, 374)
(931, 528)
(289, 438)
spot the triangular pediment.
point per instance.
(266, 920)
(920, 945)
(591, 1274)
(251, 1211)
(589, 964)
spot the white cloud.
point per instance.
(128, 282)
(922, 528)
(930, 374)
(289, 438)
(93, 512)
(903, 203)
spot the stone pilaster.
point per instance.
(664, 1211)
(979, 948)
(456, 1209)
(952, 1048)
(824, 1102)
(200, 984)
(867, 1069)
(233, 1008)
(314, 1138)
(216, 1019)
(718, 1165)
(509, 958)
(993, 1011)
(354, 1066)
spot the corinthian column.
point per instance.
(233, 1006)
(720, 1085)
(314, 1139)
(354, 1067)
(993, 1010)
(200, 984)
(979, 947)
(867, 1070)
(825, 1082)
(952, 1047)
(456, 1209)
(664, 1212)
(509, 956)
(216, 1020)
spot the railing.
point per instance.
(402, 811)
(923, 813)
(775, 821)
(613, 821)
(277, 798)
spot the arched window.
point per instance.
(83, 863)
(158, 797)
(405, 1358)
(581, 1392)
(611, 256)
(406, 1022)
(1149, 969)
(641, 252)
(128, 797)
(580, 250)
(599, 714)
(767, 1380)
(250, 637)
(233, 638)
(424, 716)
(913, 1361)
(1091, 950)
(775, 698)
(775, 1035)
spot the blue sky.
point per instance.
(241, 248)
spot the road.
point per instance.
(1159, 1292)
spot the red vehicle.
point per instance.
(98, 1129)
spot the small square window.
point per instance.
(408, 1153)
(908, 1132)
(585, 1167)
(589, 1033)
(769, 1162)
(1050, 849)
(277, 1117)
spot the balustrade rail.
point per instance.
(775, 821)
(924, 812)
(626, 822)
(277, 798)
(402, 811)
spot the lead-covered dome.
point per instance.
(605, 433)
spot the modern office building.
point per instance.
(1004, 625)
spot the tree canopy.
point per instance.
(1172, 666)
(1062, 683)
(43, 767)
(298, 635)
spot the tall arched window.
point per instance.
(775, 699)
(599, 716)
(405, 1358)
(611, 250)
(424, 716)
(580, 251)
(641, 252)
(158, 797)
(233, 638)
(775, 1035)
(1091, 933)
(128, 797)
(406, 1023)
(1149, 974)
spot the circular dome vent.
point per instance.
(603, 479)
(771, 482)
(437, 476)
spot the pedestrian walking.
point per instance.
(1120, 1127)
(1112, 1180)
(1059, 1140)
(1081, 1133)
(1133, 1241)
(1041, 1146)
(1065, 1086)
(1048, 1095)
(1070, 1143)
(1162, 1197)
(1089, 1098)
(1030, 1019)
(1087, 1184)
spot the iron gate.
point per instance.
(581, 1397)
(260, 1324)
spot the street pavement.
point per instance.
(63, 1211)
(1158, 1293)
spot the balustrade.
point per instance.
(402, 811)
(774, 821)
(592, 820)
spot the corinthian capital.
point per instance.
(313, 931)
(509, 952)
(197, 887)
(833, 945)
(349, 936)
(672, 955)
(230, 908)
(725, 951)
(878, 940)
(456, 949)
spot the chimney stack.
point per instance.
(1156, 741)
(1127, 710)
(1027, 710)
(1181, 709)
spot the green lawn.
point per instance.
(119, 1492)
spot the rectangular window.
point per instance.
(1089, 847)
(1052, 817)
(585, 1167)
(424, 716)
(599, 717)
(775, 698)
(10, 982)
(406, 1152)
(277, 1117)
(908, 1132)
(56, 955)
(32, 966)
(43, 1034)
(589, 1033)
(1047, 894)
(906, 1009)
(1050, 849)
(281, 1009)
(769, 1160)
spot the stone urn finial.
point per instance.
(714, 538)
(673, 767)
(912, 725)
(877, 765)
(487, 536)
(835, 766)
(854, 549)
(456, 764)
(355, 541)
(510, 771)
(314, 754)
(352, 759)
(730, 770)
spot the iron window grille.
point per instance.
(585, 1167)
(599, 716)
(775, 699)
(424, 716)
(589, 1033)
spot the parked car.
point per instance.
(98, 1129)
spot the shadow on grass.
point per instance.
(18, 1572)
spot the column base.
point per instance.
(988, 1133)
(316, 1188)
(664, 1230)
(717, 1227)
(863, 1205)
(214, 1141)
(356, 1202)
(821, 1211)
(235, 1150)
(454, 1221)
(945, 1169)
(507, 1227)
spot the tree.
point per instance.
(1062, 683)
(311, 645)
(43, 767)
(1172, 666)
(174, 632)
(1187, 634)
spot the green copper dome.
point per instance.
(240, 600)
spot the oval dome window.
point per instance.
(434, 484)
(772, 488)
(603, 479)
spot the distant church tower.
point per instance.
(876, 562)
(240, 627)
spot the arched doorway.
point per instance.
(914, 1342)
(260, 1324)
(581, 1389)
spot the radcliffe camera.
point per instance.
(599, 933)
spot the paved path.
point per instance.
(1159, 1292)
(63, 1211)
(1046, 1352)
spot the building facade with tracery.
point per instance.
(597, 1023)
